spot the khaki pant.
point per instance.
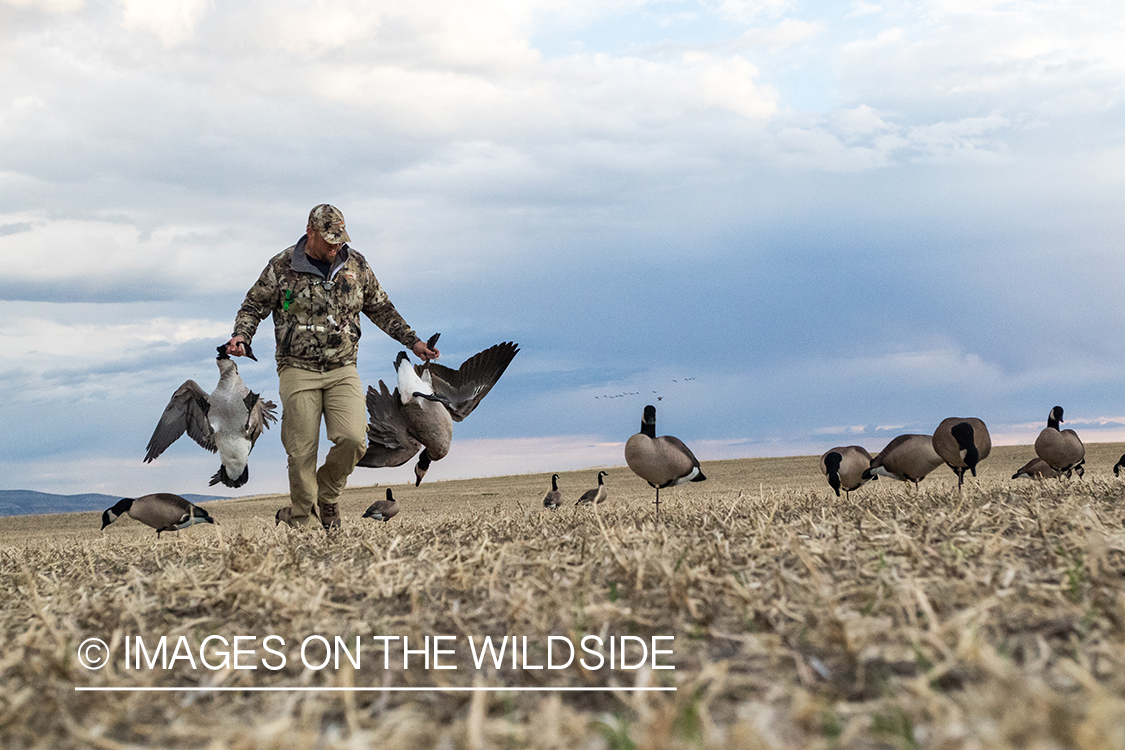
(305, 396)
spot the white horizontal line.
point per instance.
(372, 689)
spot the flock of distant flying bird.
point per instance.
(419, 414)
(960, 443)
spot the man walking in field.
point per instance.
(315, 291)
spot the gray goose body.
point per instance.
(1036, 468)
(382, 510)
(553, 498)
(228, 420)
(846, 467)
(962, 442)
(420, 413)
(661, 461)
(907, 458)
(1061, 449)
(162, 511)
(597, 495)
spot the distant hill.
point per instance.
(29, 502)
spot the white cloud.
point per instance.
(50, 6)
(171, 20)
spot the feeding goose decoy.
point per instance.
(419, 415)
(597, 495)
(661, 461)
(1061, 449)
(1036, 468)
(383, 510)
(553, 498)
(162, 511)
(907, 458)
(962, 442)
(228, 420)
(847, 468)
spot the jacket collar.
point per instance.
(302, 264)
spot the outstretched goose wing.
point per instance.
(462, 389)
(186, 412)
(388, 441)
(259, 414)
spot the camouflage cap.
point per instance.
(329, 221)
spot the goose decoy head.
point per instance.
(120, 508)
(1117, 466)
(963, 433)
(832, 465)
(1055, 418)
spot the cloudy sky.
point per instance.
(798, 224)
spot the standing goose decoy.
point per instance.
(162, 511)
(553, 498)
(907, 458)
(962, 442)
(428, 400)
(1036, 468)
(847, 468)
(597, 495)
(1062, 450)
(661, 461)
(228, 420)
(383, 510)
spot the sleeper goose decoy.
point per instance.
(419, 415)
(1036, 468)
(596, 495)
(847, 468)
(1119, 465)
(661, 461)
(383, 510)
(162, 511)
(228, 420)
(553, 498)
(907, 458)
(962, 442)
(1061, 449)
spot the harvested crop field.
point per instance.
(991, 618)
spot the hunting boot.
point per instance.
(329, 515)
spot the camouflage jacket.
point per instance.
(316, 319)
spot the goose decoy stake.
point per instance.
(228, 420)
(962, 442)
(553, 498)
(383, 510)
(661, 461)
(428, 400)
(597, 495)
(162, 511)
(847, 468)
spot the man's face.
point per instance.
(320, 248)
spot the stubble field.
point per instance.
(991, 618)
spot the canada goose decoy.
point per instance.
(1118, 466)
(1061, 449)
(228, 420)
(1036, 468)
(553, 498)
(428, 400)
(382, 510)
(597, 495)
(162, 511)
(661, 461)
(962, 442)
(847, 468)
(907, 458)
